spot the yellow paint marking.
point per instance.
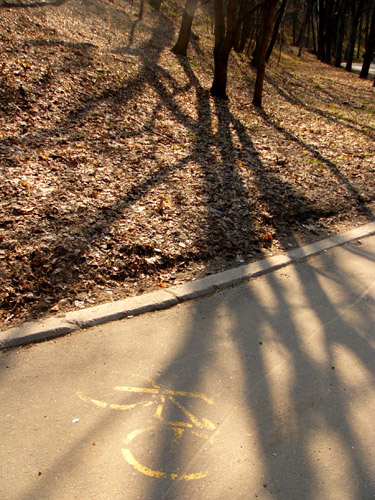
(177, 427)
(178, 431)
(192, 477)
(203, 436)
(180, 424)
(153, 383)
(113, 406)
(128, 407)
(159, 409)
(189, 395)
(129, 457)
(136, 433)
(199, 423)
(145, 390)
(96, 402)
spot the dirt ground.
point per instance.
(120, 174)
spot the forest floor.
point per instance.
(120, 173)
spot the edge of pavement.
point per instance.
(63, 324)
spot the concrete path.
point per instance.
(264, 390)
(358, 66)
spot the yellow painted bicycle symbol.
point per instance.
(174, 431)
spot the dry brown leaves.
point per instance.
(120, 173)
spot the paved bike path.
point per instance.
(264, 390)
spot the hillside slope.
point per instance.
(119, 172)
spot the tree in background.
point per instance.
(370, 47)
(268, 16)
(356, 12)
(276, 28)
(185, 30)
(156, 4)
(229, 19)
(330, 25)
(226, 25)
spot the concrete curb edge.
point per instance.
(57, 326)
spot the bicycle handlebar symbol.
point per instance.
(200, 427)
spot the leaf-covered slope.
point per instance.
(120, 173)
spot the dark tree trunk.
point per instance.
(305, 22)
(219, 85)
(242, 28)
(227, 23)
(331, 21)
(141, 8)
(315, 50)
(357, 8)
(295, 21)
(340, 34)
(321, 29)
(359, 37)
(245, 34)
(258, 43)
(187, 20)
(268, 13)
(279, 18)
(370, 48)
(156, 4)
(225, 34)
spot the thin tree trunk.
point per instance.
(295, 22)
(224, 41)
(141, 8)
(340, 41)
(242, 28)
(258, 40)
(356, 12)
(187, 20)
(360, 37)
(219, 85)
(306, 19)
(279, 18)
(313, 34)
(156, 4)
(370, 48)
(268, 12)
(321, 30)
(245, 34)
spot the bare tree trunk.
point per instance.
(321, 29)
(295, 21)
(245, 34)
(370, 48)
(187, 20)
(269, 13)
(313, 34)
(258, 42)
(329, 30)
(225, 35)
(305, 22)
(243, 28)
(156, 4)
(360, 37)
(219, 85)
(279, 18)
(356, 12)
(141, 8)
(340, 34)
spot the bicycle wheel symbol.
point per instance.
(172, 431)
